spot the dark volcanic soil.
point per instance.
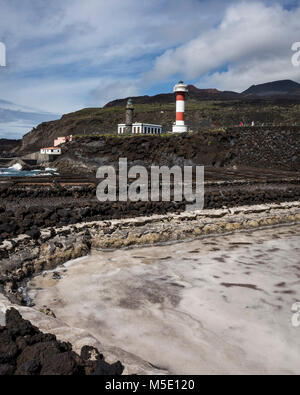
(277, 148)
(266, 163)
(264, 147)
(24, 350)
(28, 205)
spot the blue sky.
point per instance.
(64, 55)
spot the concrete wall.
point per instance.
(40, 158)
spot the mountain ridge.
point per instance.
(280, 87)
(194, 94)
(269, 89)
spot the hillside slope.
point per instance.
(205, 109)
(8, 146)
(250, 147)
(283, 87)
(200, 116)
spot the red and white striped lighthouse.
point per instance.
(180, 91)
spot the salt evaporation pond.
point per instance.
(218, 305)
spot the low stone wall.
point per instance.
(40, 158)
(276, 147)
(25, 256)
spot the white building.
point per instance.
(62, 140)
(141, 128)
(51, 151)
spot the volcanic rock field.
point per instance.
(252, 184)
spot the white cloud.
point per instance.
(66, 55)
(96, 31)
(252, 40)
(16, 129)
(241, 76)
(66, 95)
(110, 90)
(51, 95)
(57, 50)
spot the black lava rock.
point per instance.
(24, 350)
(35, 234)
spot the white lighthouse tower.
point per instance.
(180, 91)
